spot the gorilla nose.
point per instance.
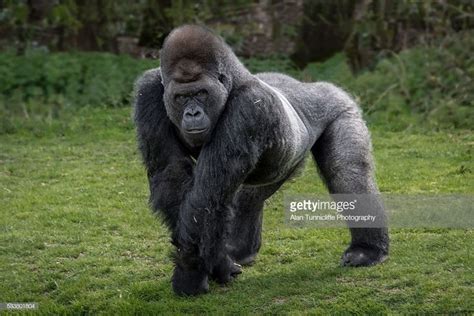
(193, 115)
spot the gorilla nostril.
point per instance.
(198, 114)
(193, 114)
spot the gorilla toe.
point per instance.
(247, 261)
(243, 256)
(226, 271)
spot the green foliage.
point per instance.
(185, 11)
(335, 70)
(271, 64)
(37, 86)
(95, 25)
(366, 29)
(428, 85)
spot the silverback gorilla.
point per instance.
(217, 141)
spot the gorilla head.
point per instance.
(194, 82)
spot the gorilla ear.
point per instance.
(225, 81)
(222, 78)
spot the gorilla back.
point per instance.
(217, 141)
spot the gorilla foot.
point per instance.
(243, 257)
(187, 283)
(357, 256)
(248, 260)
(226, 271)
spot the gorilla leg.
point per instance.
(343, 155)
(245, 233)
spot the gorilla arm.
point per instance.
(169, 167)
(222, 166)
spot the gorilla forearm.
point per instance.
(220, 170)
(169, 167)
(168, 189)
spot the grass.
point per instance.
(76, 234)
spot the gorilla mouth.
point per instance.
(196, 130)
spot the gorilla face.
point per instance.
(194, 99)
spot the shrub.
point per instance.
(67, 79)
(424, 86)
(428, 85)
(271, 64)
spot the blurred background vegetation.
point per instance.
(409, 63)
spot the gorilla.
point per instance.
(217, 141)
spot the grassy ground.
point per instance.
(76, 234)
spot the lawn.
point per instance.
(76, 234)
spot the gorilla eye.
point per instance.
(201, 93)
(180, 98)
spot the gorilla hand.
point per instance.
(189, 281)
(226, 270)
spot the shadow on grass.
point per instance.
(249, 289)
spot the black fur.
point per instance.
(217, 141)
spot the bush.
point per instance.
(67, 79)
(271, 64)
(430, 85)
(424, 86)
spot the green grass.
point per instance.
(76, 234)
